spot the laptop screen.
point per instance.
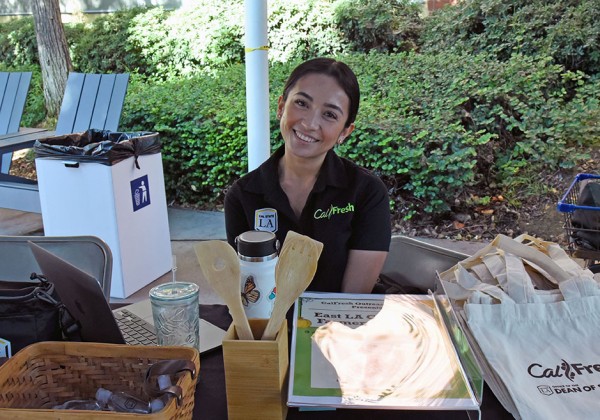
(82, 295)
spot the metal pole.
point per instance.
(257, 83)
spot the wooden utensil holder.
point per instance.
(256, 373)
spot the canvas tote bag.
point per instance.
(534, 314)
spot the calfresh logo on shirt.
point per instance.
(265, 220)
(333, 211)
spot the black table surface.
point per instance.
(211, 400)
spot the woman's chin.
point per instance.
(303, 149)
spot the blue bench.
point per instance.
(13, 94)
(90, 101)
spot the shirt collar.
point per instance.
(333, 173)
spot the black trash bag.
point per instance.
(99, 146)
(586, 223)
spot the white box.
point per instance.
(89, 198)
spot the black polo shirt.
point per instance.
(348, 208)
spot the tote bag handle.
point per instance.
(502, 263)
(571, 285)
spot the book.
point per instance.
(375, 351)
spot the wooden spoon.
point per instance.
(221, 267)
(294, 271)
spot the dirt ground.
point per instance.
(536, 215)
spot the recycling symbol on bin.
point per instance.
(140, 192)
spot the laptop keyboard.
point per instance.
(135, 330)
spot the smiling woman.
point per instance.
(305, 187)
(313, 118)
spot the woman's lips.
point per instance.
(305, 138)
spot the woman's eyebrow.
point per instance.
(329, 105)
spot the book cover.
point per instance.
(374, 351)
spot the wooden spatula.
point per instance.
(221, 267)
(294, 271)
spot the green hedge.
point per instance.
(495, 96)
(437, 125)
(208, 35)
(434, 127)
(566, 30)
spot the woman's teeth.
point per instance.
(305, 138)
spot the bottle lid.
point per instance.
(256, 243)
(156, 405)
(164, 381)
(102, 395)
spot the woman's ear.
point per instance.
(280, 106)
(345, 133)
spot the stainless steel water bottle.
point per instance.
(257, 251)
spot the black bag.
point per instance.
(586, 223)
(99, 146)
(31, 311)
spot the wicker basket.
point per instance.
(45, 374)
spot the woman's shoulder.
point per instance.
(244, 183)
(255, 181)
(357, 173)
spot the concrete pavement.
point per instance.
(187, 227)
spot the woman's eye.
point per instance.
(331, 115)
(300, 102)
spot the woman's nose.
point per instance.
(311, 120)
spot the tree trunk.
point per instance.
(53, 52)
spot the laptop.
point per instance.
(82, 295)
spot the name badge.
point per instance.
(266, 220)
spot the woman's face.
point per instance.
(313, 116)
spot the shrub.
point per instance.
(379, 25)
(208, 36)
(18, 46)
(565, 30)
(299, 30)
(35, 109)
(102, 45)
(191, 40)
(483, 106)
(434, 127)
(202, 129)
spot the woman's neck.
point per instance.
(293, 169)
(297, 178)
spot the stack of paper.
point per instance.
(375, 351)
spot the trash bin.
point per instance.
(110, 185)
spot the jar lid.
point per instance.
(257, 243)
(174, 291)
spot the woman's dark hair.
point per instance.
(342, 74)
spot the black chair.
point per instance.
(88, 253)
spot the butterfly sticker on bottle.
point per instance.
(249, 293)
